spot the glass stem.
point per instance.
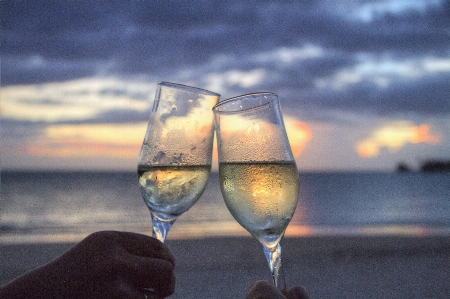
(161, 228)
(273, 256)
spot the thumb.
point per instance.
(297, 293)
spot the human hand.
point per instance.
(105, 264)
(263, 289)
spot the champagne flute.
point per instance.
(175, 158)
(258, 174)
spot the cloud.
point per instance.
(143, 36)
(120, 141)
(394, 136)
(337, 62)
(76, 100)
(417, 29)
(295, 43)
(299, 134)
(385, 72)
(220, 82)
(371, 10)
(388, 87)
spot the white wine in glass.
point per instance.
(258, 173)
(175, 158)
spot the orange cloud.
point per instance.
(394, 136)
(121, 141)
(83, 149)
(298, 134)
(422, 134)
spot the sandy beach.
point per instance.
(327, 266)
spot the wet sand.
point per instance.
(327, 266)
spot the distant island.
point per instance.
(426, 166)
(435, 166)
(403, 167)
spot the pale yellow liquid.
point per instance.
(172, 190)
(262, 197)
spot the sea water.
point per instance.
(66, 206)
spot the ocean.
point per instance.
(46, 207)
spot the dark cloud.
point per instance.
(74, 39)
(196, 29)
(31, 69)
(429, 95)
(18, 131)
(21, 129)
(121, 116)
(419, 32)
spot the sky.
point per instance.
(363, 85)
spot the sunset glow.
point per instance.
(345, 96)
(103, 140)
(298, 134)
(123, 141)
(394, 136)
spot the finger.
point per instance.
(127, 291)
(263, 289)
(142, 245)
(144, 272)
(297, 293)
(149, 293)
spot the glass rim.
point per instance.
(227, 101)
(183, 86)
